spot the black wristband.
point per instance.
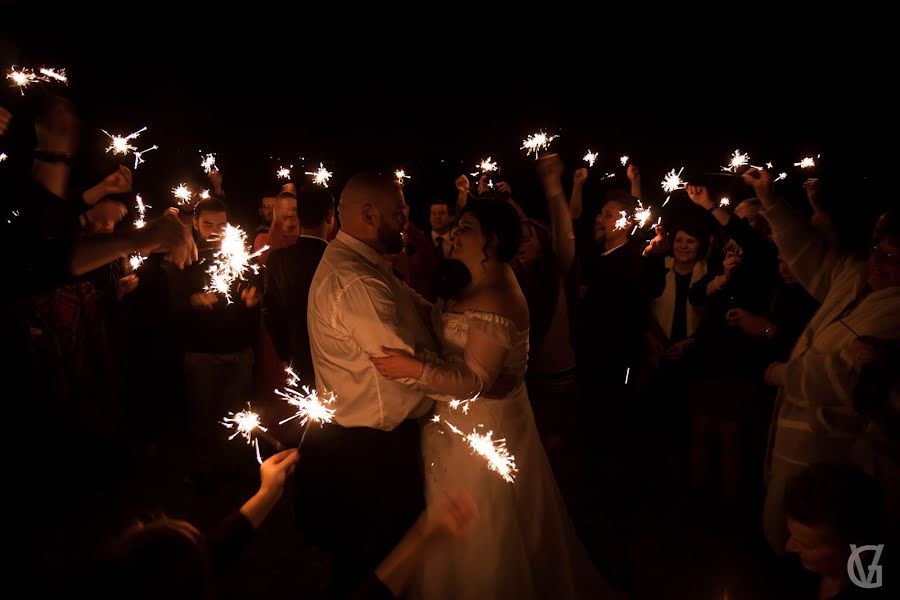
(52, 157)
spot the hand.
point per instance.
(550, 168)
(659, 244)
(503, 189)
(251, 296)
(5, 118)
(274, 471)
(398, 364)
(453, 515)
(580, 176)
(117, 182)
(699, 195)
(676, 351)
(503, 386)
(483, 187)
(215, 179)
(462, 184)
(812, 187)
(126, 285)
(761, 182)
(730, 265)
(203, 300)
(57, 127)
(864, 352)
(105, 212)
(632, 172)
(774, 373)
(749, 323)
(168, 234)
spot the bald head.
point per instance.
(371, 210)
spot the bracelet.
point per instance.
(52, 157)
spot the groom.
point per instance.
(360, 479)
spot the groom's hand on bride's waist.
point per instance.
(504, 385)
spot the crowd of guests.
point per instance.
(686, 357)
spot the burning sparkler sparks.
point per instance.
(493, 451)
(246, 424)
(320, 176)
(142, 211)
(624, 160)
(284, 172)
(22, 78)
(781, 176)
(182, 193)
(622, 222)
(58, 75)
(231, 261)
(3, 156)
(672, 181)
(136, 260)
(120, 144)
(725, 202)
(642, 215)
(204, 195)
(25, 77)
(310, 408)
(400, 175)
(738, 160)
(138, 155)
(590, 158)
(536, 143)
(806, 163)
(208, 163)
(485, 166)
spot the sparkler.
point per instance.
(204, 195)
(493, 451)
(671, 182)
(3, 156)
(310, 408)
(120, 144)
(182, 193)
(624, 160)
(738, 160)
(724, 202)
(485, 166)
(622, 222)
(247, 425)
(320, 176)
(283, 172)
(806, 163)
(22, 78)
(590, 158)
(642, 215)
(208, 163)
(781, 176)
(537, 142)
(231, 261)
(142, 211)
(136, 260)
(59, 75)
(400, 174)
(138, 155)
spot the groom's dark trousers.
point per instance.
(358, 491)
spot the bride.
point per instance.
(524, 545)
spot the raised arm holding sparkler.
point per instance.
(117, 182)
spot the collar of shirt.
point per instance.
(611, 250)
(314, 237)
(445, 237)
(364, 250)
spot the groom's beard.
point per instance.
(391, 241)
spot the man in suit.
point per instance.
(289, 272)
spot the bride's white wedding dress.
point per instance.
(523, 545)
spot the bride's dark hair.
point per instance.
(500, 221)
